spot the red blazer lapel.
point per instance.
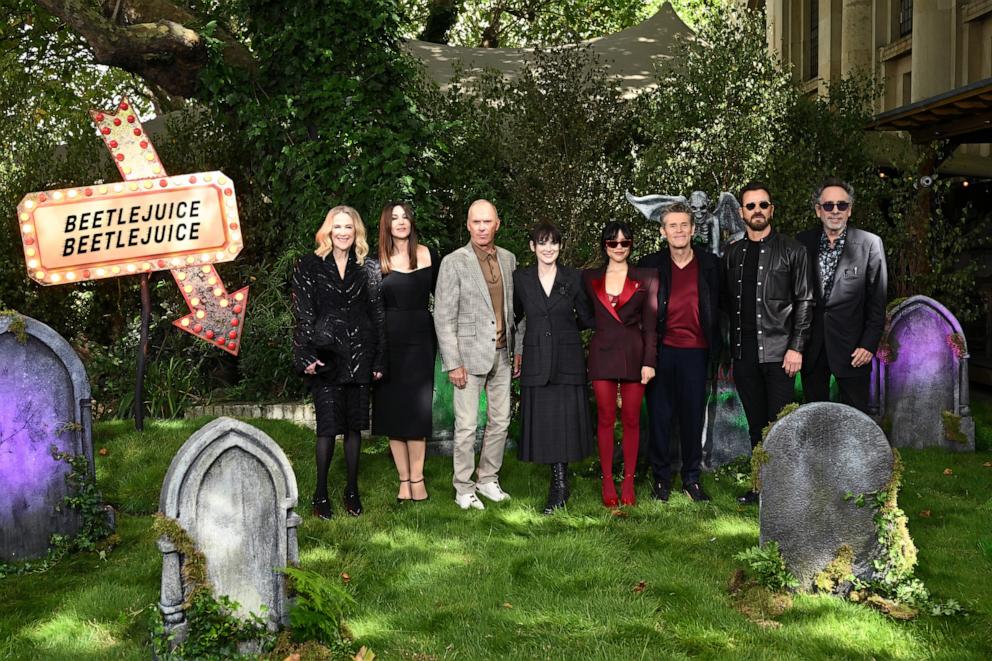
(630, 286)
(599, 286)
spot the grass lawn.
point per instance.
(433, 582)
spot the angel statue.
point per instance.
(710, 226)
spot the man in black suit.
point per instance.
(688, 332)
(850, 279)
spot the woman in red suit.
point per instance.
(622, 352)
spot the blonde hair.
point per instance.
(323, 237)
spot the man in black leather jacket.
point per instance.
(769, 300)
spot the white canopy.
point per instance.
(633, 54)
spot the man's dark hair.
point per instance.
(544, 231)
(610, 233)
(754, 185)
(678, 207)
(831, 182)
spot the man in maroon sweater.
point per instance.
(688, 333)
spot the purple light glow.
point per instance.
(36, 398)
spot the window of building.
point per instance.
(905, 17)
(814, 39)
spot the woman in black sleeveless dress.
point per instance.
(402, 400)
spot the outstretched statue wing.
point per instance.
(728, 211)
(652, 205)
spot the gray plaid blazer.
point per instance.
(463, 311)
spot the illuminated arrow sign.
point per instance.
(149, 222)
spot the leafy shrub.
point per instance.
(768, 567)
(319, 607)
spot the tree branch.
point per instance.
(150, 38)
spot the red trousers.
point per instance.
(631, 394)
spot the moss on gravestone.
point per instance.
(838, 572)
(898, 550)
(194, 570)
(759, 456)
(17, 325)
(952, 428)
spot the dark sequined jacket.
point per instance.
(339, 322)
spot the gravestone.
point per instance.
(233, 490)
(725, 436)
(817, 456)
(44, 402)
(920, 378)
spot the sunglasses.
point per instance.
(751, 205)
(624, 243)
(829, 206)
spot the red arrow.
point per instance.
(215, 316)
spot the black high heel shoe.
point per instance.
(321, 508)
(418, 500)
(352, 503)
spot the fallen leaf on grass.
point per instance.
(987, 464)
(619, 512)
(641, 586)
(103, 452)
(292, 657)
(925, 514)
(948, 471)
(507, 604)
(364, 654)
(345, 578)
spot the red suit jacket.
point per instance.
(626, 336)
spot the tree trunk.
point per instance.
(441, 17)
(149, 38)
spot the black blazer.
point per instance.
(709, 292)
(626, 336)
(339, 321)
(854, 315)
(552, 348)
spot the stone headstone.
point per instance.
(725, 436)
(920, 378)
(817, 455)
(44, 402)
(233, 490)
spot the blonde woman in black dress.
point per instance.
(402, 400)
(339, 343)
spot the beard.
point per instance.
(756, 222)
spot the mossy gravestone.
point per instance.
(824, 463)
(44, 404)
(232, 489)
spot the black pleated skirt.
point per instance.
(555, 424)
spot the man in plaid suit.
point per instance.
(473, 317)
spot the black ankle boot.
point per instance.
(558, 491)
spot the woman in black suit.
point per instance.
(622, 351)
(548, 300)
(339, 343)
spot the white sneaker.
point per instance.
(492, 491)
(467, 500)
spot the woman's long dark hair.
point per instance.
(386, 236)
(610, 233)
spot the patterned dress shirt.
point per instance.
(828, 258)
